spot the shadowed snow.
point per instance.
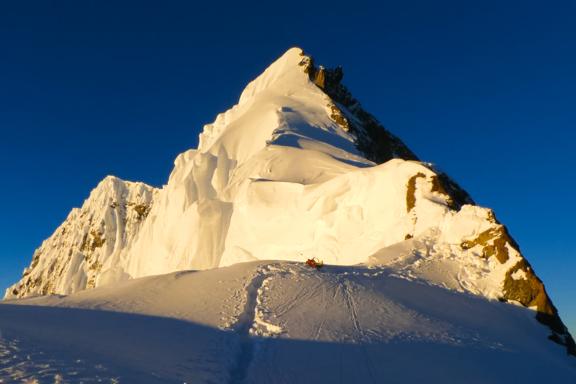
(278, 322)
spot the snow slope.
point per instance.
(296, 169)
(277, 322)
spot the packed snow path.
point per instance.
(276, 322)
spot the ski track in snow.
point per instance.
(253, 327)
(353, 312)
(250, 324)
(326, 304)
(242, 327)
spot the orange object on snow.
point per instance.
(314, 263)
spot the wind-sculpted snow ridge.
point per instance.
(277, 322)
(298, 169)
(71, 259)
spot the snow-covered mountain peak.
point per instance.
(297, 169)
(112, 188)
(286, 74)
(284, 107)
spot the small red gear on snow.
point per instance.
(314, 263)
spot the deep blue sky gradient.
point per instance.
(485, 90)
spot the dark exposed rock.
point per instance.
(97, 240)
(93, 271)
(89, 245)
(443, 184)
(320, 77)
(493, 242)
(372, 139)
(84, 244)
(529, 291)
(142, 210)
(339, 118)
(525, 288)
(455, 196)
(411, 191)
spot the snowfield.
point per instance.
(276, 322)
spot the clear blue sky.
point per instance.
(486, 90)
